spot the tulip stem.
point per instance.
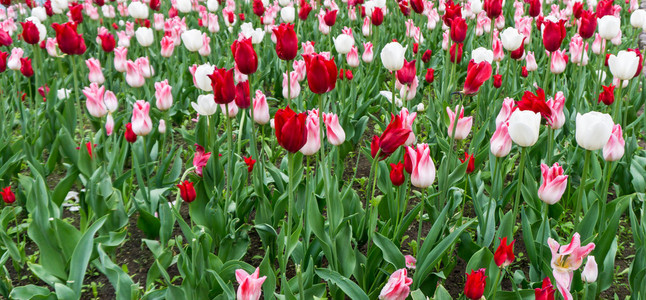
(619, 104)
(375, 163)
(289, 84)
(78, 99)
(421, 219)
(519, 185)
(496, 284)
(550, 145)
(547, 73)
(290, 200)
(607, 170)
(579, 197)
(392, 97)
(230, 162)
(545, 227)
(145, 153)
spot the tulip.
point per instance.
(145, 36)
(456, 53)
(243, 97)
(530, 62)
(288, 14)
(343, 43)
(451, 11)
(641, 60)
(410, 262)
(477, 74)
(593, 130)
(200, 159)
(588, 24)
(321, 73)
(286, 41)
(377, 16)
(546, 292)
(25, 67)
(330, 17)
(294, 87)
(367, 55)
(553, 34)
(134, 75)
(250, 285)
(565, 260)
(95, 103)
(192, 40)
(536, 103)
(201, 77)
(138, 10)
(187, 191)
(426, 57)
(430, 75)
(232, 110)
(261, 109)
(504, 255)
(304, 10)
(250, 162)
(557, 117)
(120, 60)
(406, 74)
(392, 56)
(335, 133)
(463, 124)
(607, 96)
(590, 271)
(141, 122)
(30, 33)
(524, 126)
(500, 143)
(313, 143)
(497, 81)
(395, 135)
(505, 111)
(609, 27)
(107, 42)
(163, 95)
(604, 7)
(7, 195)
(223, 85)
(162, 126)
(615, 147)
(397, 174)
(397, 287)
(5, 38)
(69, 41)
(96, 75)
(144, 67)
(14, 61)
(458, 30)
(468, 158)
(559, 61)
(109, 125)
(624, 65)
(245, 56)
(475, 284)
(352, 58)
(638, 19)
(511, 39)
(129, 135)
(554, 184)
(291, 131)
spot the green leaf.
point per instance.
(31, 292)
(81, 257)
(350, 288)
(390, 251)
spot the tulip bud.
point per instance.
(615, 147)
(554, 184)
(335, 133)
(392, 56)
(593, 130)
(463, 126)
(524, 127)
(475, 284)
(162, 127)
(504, 255)
(590, 271)
(187, 191)
(500, 143)
(7, 195)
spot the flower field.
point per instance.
(322, 149)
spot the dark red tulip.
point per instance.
(43, 91)
(3, 61)
(504, 255)
(534, 8)
(107, 42)
(477, 74)
(397, 174)
(588, 24)
(48, 8)
(241, 16)
(497, 81)
(172, 12)
(377, 16)
(523, 72)
(430, 75)
(607, 96)
(406, 75)
(154, 4)
(394, 136)
(7, 195)
(25, 67)
(30, 33)
(349, 75)
(475, 285)
(458, 30)
(451, 11)
(536, 103)
(304, 10)
(408, 164)
(641, 60)
(243, 99)
(130, 135)
(577, 9)
(224, 89)
(553, 34)
(403, 7)
(415, 48)
(321, 73)
(456, 58)
(187, 191)
(341, 74)
(468, 158)
(88, 147)
(605, 63)
(258, 8)
(5, 38)
(6, 3)
(291, 132)
(493, 8)
(518, 53)
(249, 162)
(426, 57)
(417, 6)
(69, 41)
(76, 11)
(286, 41)
(245, 56)
(546, 292)
(330, 17)
(604, 8)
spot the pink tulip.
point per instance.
(576, 48)
(250, 285)
(200, 158)
(110, 100)
(565, 260)
(367, 55)
(497, 48)
(214, 25)
(554, 184)
(500, 143)
(163, 94)
(95, 105)
(120, 59)
(397, 286)
(308, 47)
(233, 109)
(109, 125)
(353, 57)
(206, 45)
(295, 87)
(407, 123)
(13, 63)
(134, 76)
(260, 108)
(124, 39)
(557, 117)
(167, 47)
(410, 262)
(193, 69)
(96, 75)
(300, 69)
(365, 27)
(445, 40)
(598, 43)
(559, 61)
(159, 22)
(615, 147)
(463, 125)
(423, 169)
(141, 122)
(590, 271)
(52, 47)
(335, 133)
(162, 126)
(313, 143)
(508, 107)
(130, 28)
(530, 62)
(144, 66)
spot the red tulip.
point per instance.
(477, 74)
(518, 53)
(245, 56)
(172, 12)
(588, 24)
(130, 135)
(44, 91)
(553, 34)
(3, 61)
(536, 103)
(377, 16)
(504, 255)
(471, 162)
(397, 174)
(291, 131)
(6, 3)
(493, 8)
(546, 292)
(497, 81)
(430, 75)
(107, 42)
(330, 17)
(258, 8)
(426, 57)
(456, 58)
(458, 30)
(76, 11)
(30, 33)
(243, 99)
(224, 89)
(154, 4)
(304, 10)
(475, 285)
(604, 8)
(577, 9)
(69, 41)
(608, 95)
(321, 73)
(48, 8)
(394, 136)
(417, 6)
(403, 7)
(407, 73)
(249, 162)
(5, 38)
(534, 8)
(523, 72)
(187, 191)
(348, 74)
(641, 60)
(451, 11)
(286, 41)
(25, 67)
(7, 195)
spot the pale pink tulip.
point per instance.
(94, 104)
(162, 126)
(590, 271)
(200, 159)
(120, 59)
(423, 169)
(141, 122)
(500, 143)
(335, 133)
(559, 61)
(463, 124)
(250, 285)
(163, 95)
(557, 118)
(313, 143)
(615, 147)
(365, 27)
(159, 22)
(167, 47)
(110, 100)
(109, 125)
(206, 45)
(407, 123)
(598, 43)
(233, 109)
(260, 108)
(565, 260)
(308, 47)
(300, 69)
(124, 39)
(497, 48)
(95, 75)
(508, 107)
(554, 184)
(576, 48)
(397, 287)
(353, 57)
(530, 62)
(13, 63)
(134, 76)
(295, 87)
(410, 262)
(145, 67)
(367, 55)
(52, 47)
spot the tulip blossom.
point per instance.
(397, 287)
(14, 60)
(397, 174)
(475, 284)
(69, 41)
(558, 62)
(511, 39)
(201, 77)
(609, 27)
(504, 255)
(392, 56)
(200, 159)
(477, 74)
(30, 33)
(134, 75)
(291, 130)
(3, 61)
(187, 191)
(458, 30)
(470, 161)
(553, 34)
(107, 42)
(343, 43)
(590, 271)
(145, 36)
(394, 136)
(524, 127)
(641, 60)
(536, 103)
(95, 103)
(588, 24)
(7, 195)
(422, 166)
(430, 75)
(245, 56)
(243, 97)
(546, 292)
(294, 87)
(286, 41)
(505, 111)
(456, 53)
(607, 96)
(463, 126)
(593, 130)
(615, 147)
(250, 162)
(367, 55)
(624, 65)
(313, 143)
(321, 73)
(95, 75)
(554, 184)
(565, 260)
(260, 108)
(163, 95)
(500, 143)
(5, 38)
(25, 67)
(335, 133)
(638, 19)
(120, 59)
(129, 135)
(205, 105)
(232, 110)
(557, 116)
(192, 40)
(224, 90)
(530, 62)
(141, 122)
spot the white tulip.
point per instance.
(287, 14)
(637, 18)
(392, 56)
(192, 40)
(343, 43)
(212, 5)
(145, 36)
(511, 39)
(138, 10)
(59, 6)
(476, 6)
(184, 6)
(39, 12)
(482, 54)
(593, 130)
(205, 105)
(623, 65)
(524, 127)
(609, 27)
(202, 77)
